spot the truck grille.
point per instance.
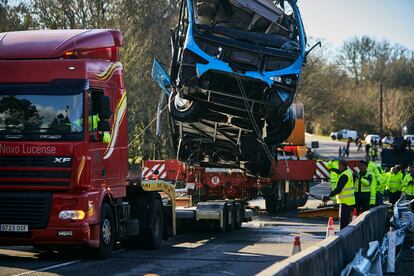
(31, 208)
(33, 161)
(35, 171)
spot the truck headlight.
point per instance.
(276, 79)
(72, 214)
(288, 80)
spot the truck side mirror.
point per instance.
(104, 108)
(104, 125)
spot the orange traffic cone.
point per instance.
(296, 246)
(354, 215)
(330, 230)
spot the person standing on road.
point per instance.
(362, 181)
(373, 169)
(374, 153)
(348, 147)
(344, 193)
(408, 185)
(367, 148)
(359, 145)
(333, 166)
(394, 184)
(380, 189)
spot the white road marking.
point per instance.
(57, 266)
(48, 268)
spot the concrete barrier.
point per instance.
(331, 256)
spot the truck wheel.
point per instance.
(333, 137)
(239, 215)
(153, 235)
(225, 220)
(272, 200)
(183, 110)
(231, 226)
(276, 135)
(106, 234)
(271, 205)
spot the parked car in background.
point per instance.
(372, 138)
(387, 140)
(409, 137)
(344, 134)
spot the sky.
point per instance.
(338, 20)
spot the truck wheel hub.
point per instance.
(106, 232)
(181, 104)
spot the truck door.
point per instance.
(102, 170)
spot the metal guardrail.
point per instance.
(334, 253)
(366, 262)
(377, 257)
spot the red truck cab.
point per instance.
(63, 137)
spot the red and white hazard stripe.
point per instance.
(147, 172)
(321, 172)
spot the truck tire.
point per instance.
(231, 226)
(279, 132)
(152, 237)
(333, 137)
(184, 110)
(272, 207)
(106, 234)
(239, 215)
(273, 201)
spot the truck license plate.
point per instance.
(14, 228)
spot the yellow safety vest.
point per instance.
(93, 124)
(373, 169)
(363, 184)
(381, 180)
(346, 196)
(408, 185)
(394, 182)
(333, 164)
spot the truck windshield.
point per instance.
(41, 114)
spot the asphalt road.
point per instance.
(329, 148)
(259, 244)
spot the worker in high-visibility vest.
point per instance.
(93, 121)
(332, 165)
(344, 193)
(394, 184)
(362, 183)
(373, 169)
(374, 153)
(408, 185)
(380, 188)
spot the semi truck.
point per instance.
(63, 145)
(64, 173)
